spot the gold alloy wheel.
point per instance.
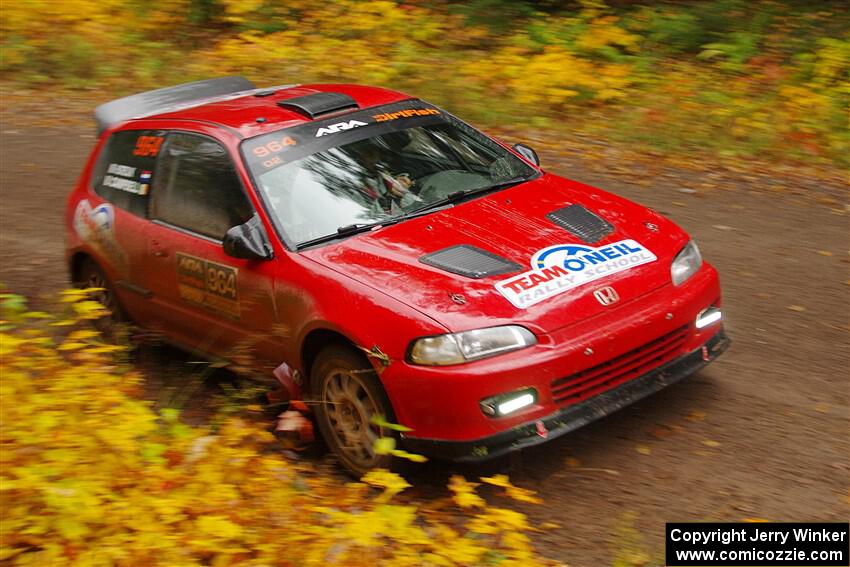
(349, 405)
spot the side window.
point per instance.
(125, 168)
(197, 187)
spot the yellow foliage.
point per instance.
(391, 482)
(464, 493)
(515, 492)
(604, 32)
(557, 76)
(92, 475)
(832, 64)
(539, 67)
(239, 11)
(499, 480)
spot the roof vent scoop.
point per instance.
(469, 261)
(314, 105)
(582, 223)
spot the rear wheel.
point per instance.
(349, 394)
(92, 276)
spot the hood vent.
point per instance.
(469, 261)
(582, 223)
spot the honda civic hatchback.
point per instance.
(387, 263)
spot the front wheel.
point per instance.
(349, 394)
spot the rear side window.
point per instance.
(197, 187)
(125, 169)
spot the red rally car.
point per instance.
(386, 258)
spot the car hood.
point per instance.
(513, 225)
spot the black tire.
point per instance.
(91, 275)
(348, 393)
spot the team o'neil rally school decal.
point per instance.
(563, 267)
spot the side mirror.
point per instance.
(247, 241)
(527, 153)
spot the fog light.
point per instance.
(708, 316)
(504, 404)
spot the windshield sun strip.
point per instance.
(291, 137)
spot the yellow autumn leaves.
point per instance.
(466, 497)
(717, 76)
(90, 474)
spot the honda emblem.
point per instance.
(606, 295)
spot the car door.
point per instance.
(203, 298)
(111, 218)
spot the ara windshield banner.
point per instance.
(269, 151)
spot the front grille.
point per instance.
(587, 383)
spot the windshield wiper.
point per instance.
(504, 184)
(458, 196)
(343, 231)
(444, 203)
(357, 227)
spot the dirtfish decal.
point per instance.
(563, 267)
(409, 113)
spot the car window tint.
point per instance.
(197, 187)
(125, 168)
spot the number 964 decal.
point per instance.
(208, 284)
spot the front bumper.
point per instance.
(572, 417)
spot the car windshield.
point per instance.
(372, 167)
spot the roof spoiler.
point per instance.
(160, 100)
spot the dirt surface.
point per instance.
(761, 433)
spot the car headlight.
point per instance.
(686, 263)
(457, 348)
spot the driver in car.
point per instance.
(390, 193)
